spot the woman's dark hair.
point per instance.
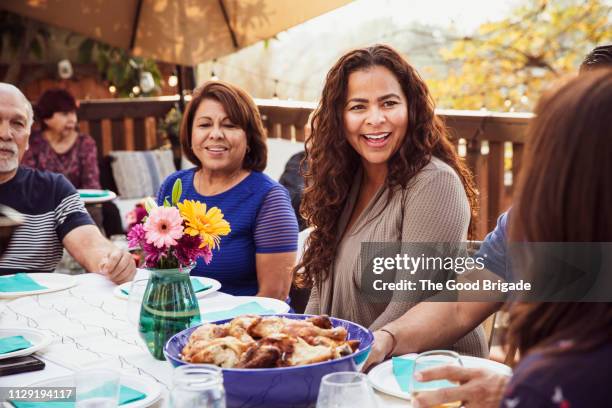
(600, 57)
(51, 101)
(240, 109)
(333, 163)
(564, 194)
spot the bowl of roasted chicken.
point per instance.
(274, 360)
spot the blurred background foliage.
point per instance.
(507, 64)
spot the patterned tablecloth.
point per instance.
(90, 329)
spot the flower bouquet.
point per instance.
(172, 237)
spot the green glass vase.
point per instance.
(169, 305)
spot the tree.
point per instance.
(507, 64)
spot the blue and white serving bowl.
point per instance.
(285, 386)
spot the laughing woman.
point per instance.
(381, 170)
(223, 135)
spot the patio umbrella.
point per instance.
(184, 32)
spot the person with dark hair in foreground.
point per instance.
(566, 348)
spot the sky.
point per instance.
(294, 64)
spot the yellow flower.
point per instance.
(209, 225)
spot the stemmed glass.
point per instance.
(431, 359)
(345, 390)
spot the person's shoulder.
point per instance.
(85, 138)
(44, 189)
(260, 179)
(437, 167)
(541, 371)
(41, 178)
(436, 172)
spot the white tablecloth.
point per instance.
(90, 329)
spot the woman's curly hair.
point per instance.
(333, 163)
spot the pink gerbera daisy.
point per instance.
(164, 226)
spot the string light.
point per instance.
(172, 80)
(112, 89)
(136, 90)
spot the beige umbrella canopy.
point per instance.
(184, 32)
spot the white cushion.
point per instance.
(139, 174)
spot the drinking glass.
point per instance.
(97, 388)
(345, 390)
(431, 359)
(197, 385)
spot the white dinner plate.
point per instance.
(216, 285)
(38, 338)
(381, 377)
(148, 387)
(107, 195)
(218, 305)
(53, 282)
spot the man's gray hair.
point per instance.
(5, 87)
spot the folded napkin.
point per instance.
(246, 308)
(19, 282)
(126, 395)
(13, 343)
(402, 371)
(198, 286)
(94, 194)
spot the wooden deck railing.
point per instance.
(492, 143)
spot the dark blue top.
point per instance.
(494, 249)
(261, 219)
(52, 208)
(566, 380)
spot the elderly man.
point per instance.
(55, 215)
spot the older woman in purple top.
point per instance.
(223, 135)
(58, 146)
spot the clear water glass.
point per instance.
(197, 386)
(432, 359)
(97, 388)
(346, 390)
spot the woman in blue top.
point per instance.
(222, 133)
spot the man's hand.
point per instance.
(380, 349)
(118, 266)
(480, 388)
(97, 254)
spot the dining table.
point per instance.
(90, 329)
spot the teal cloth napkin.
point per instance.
(402, 371)
(92, 194)
(19, 282)
(197, 286)
(126, 395)
(13, 343)
(247, 308)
